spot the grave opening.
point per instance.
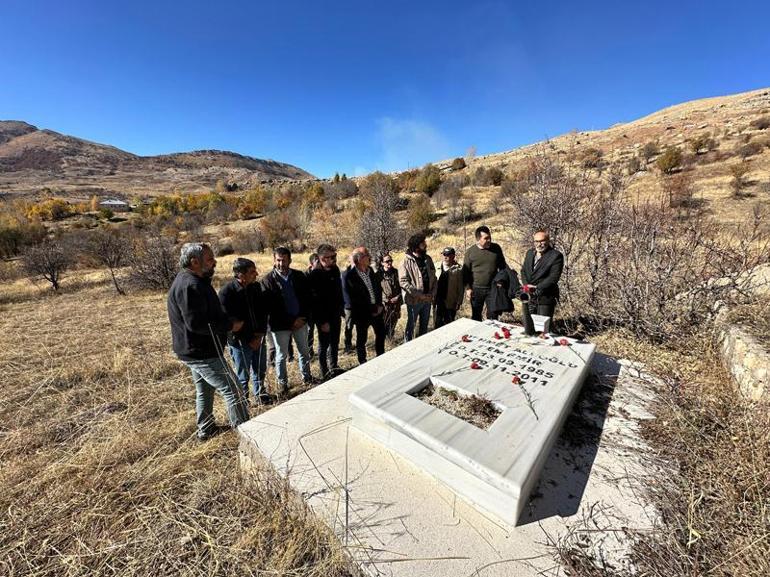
(476, 410)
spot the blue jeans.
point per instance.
(281, 341)
(211, 375)
(250, 364)
(419, 311)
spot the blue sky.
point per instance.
(359, 86)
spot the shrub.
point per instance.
(246, 241)
(761, 123)
(420, 214)
(458, 163)
(591, 158)
(47, 260)
(702, 143)
(749, 149)
(280, 228)
(738, 181)
(110, 248)
(16, 232)
(670, 160)
(428, 181)
(679, 189)
(650, 150)
(153, 261)
(633, 165)
(492, 176)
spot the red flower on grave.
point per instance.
(506, 333)
(543, 335)
(516, 380)
(475, 365)
(564, 342)
(497, 336)
(465, 339)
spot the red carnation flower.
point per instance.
(465, 339)
(564, 342)
(497, 336)
(516, 380)
(475, 365)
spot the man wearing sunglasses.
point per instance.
(328, 308)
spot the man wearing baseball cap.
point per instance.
(449, 292)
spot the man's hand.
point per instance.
(377, 310)
(299, 322)
(324, 328)
(237, 325)
(469, 293)
(256, 342)
(394, 300)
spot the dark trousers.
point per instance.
(349, 324)
(310, 327)
(329, 346)
(362, 334)
(532, 307)
(442, 315)
(391, 314)
(480, 298)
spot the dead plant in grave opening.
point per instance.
(477, 410)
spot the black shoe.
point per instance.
(213, 432)
(264, 399)
(311, 381)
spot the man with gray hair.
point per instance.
(199, 329)
(363, 297)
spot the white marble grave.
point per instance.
(533, 381)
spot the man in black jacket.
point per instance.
(363, 296)
(288, 304)
(540, 276)
(199, 328)
(328, 308)
(242, 299)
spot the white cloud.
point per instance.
(409, 144)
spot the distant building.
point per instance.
(115, 205)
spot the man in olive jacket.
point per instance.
(199, 329)
(540, 276)
(449, 289)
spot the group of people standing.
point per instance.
(259, 320)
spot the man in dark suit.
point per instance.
(363, 297)
(540, 276)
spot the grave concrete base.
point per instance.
(395, 519)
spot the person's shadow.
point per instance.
(565, 473)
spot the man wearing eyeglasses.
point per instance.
(328, 308)
(540, 276)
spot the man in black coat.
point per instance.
(242, 299)
(363, 297)
(199, 329)
(288, 304)
(540, 276)
(328, 308)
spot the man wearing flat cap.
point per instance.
(449, 290)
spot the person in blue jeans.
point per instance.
(417, 277)
(242, 299)
(288, 301)
(199, 328)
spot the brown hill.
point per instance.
(32, 160)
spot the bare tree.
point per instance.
(379, 230)
(47, 260)
(111, 249)
(153, 261)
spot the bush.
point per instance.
(650, 150)
(47, 260)
(761, 123)
(153, 261)
(749, 149)
(678, 188)
(17, 232)
(458, 163)
(702, 143)
(591, 158)
(670, 160)
(420, 214)
(492, 176)
(633, 165)
(248, 241)
(738, 181)
(280, 229)
(428, 181)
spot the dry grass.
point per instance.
(714, 504)
(755, 318)
(102, 473)
(474, 409)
